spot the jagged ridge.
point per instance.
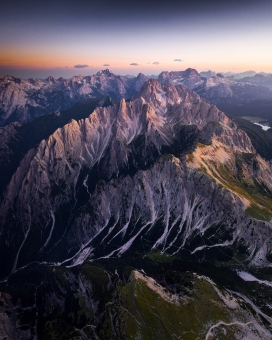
(24, 100)
(98, 186)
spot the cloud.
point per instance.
(155, 63)
(106, 65)
(134, 64)
(178, 60)
(81, 65)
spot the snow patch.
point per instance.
(264, 127)
(250, 278)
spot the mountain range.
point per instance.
(260, 79)
(24, 100)
(141, 218)
(217, 89)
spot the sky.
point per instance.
(66, 38)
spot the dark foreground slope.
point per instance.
(107, 204)
(89, 302)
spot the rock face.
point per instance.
(24, 100)
(99, 186)
(17, 139)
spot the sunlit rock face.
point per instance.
(164, 171)
(24, 100)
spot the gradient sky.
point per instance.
(40, 38)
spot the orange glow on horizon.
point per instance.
(26, 60)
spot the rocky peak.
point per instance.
(163, 76)
(151, 89)
(139, 81)
(105, 72)
(190, 78)
(162, 95)
(61, 79)
(8, 78)
(76, 78)
(35, 81)
(50, 79)
(207, 74)
(190, 72)
(141, 76)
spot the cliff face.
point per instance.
(166, 171)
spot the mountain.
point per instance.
(189, 78)
(260, 79)
(23, 100)
(239, 75)
(146, 218)
(16, 139)
(231, 96)
(153, 76)
(207, 74)
(115, 144)
(128, 151)
(129, 76)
